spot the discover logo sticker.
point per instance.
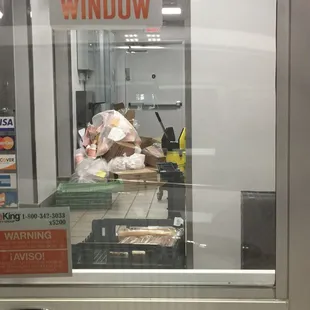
(7, 162)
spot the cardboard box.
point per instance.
(119, 106)
(135, 180)
(153, 156)
(147, 141)
(118, 149)
(130, 115)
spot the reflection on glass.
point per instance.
(172, 146)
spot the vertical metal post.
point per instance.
(25, 128)
(63, 104)
(188, 119)
(282, 146)
(299, 156)
(44, 99)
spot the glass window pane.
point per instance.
(164, 137)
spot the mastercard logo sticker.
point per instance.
(7, 143)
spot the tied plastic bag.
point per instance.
(133, 162)
(136, 162)
(112, 127)
(118, 164)
(91, 171)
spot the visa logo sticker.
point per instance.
(7, 162)
(8, 181)
(7, 124)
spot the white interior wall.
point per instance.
(169, 85)
(233, 119)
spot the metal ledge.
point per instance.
(241, 278)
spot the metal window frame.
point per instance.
(141, 304)
(205, 282)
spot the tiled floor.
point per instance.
(142, 204)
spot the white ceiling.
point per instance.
(172, 30)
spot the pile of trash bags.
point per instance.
(107, 129)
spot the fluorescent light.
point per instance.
(150, 47)
(1, 14)
(140, 47)
(171, 11)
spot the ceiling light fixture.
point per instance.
(1, 14)
(171, 11)
(140, 47)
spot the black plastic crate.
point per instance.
(101, 249)
(170, 173)
(258, 215)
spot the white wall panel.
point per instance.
(233, 114)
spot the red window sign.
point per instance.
(25, 249)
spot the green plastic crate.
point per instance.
(83, 196)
